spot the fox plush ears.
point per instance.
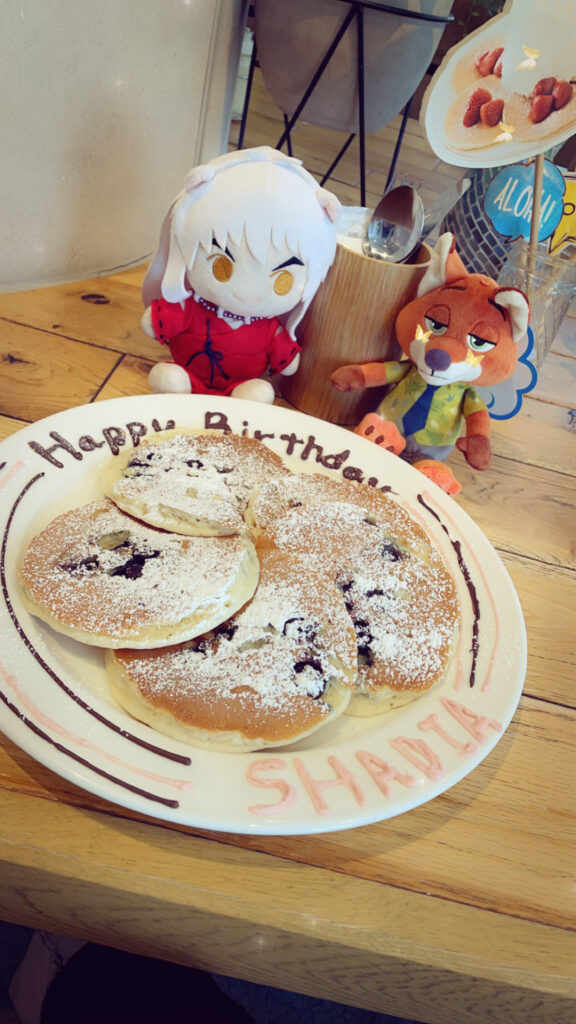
(447, 267)
(518, 308)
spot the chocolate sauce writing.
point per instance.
(306, 448)
(114, 437)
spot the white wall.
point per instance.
(105, 106)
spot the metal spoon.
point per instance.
(395, 226)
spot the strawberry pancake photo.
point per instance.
(549, 108)
(474, 120)
(483, 61)
(508, 89)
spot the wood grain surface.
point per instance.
(458, 912)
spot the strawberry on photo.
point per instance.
(491, 112)
(476, 101)
(540, 107)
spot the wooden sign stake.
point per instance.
(536, 202)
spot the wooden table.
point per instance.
(458, 912)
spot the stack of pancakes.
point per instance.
(244, 606)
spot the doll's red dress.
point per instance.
(217, 356)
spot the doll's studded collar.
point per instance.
(225, 314)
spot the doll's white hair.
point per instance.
(257, 196)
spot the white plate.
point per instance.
(54, 698)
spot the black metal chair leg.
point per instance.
(396, 153)
(356, 10)
(287, 132)
(253, 61)
(337, 159)
(319, 72)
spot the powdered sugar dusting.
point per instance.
(204, 477)
(277, 497)
(404, 609)
(330, 533)
(283, 649)
(102, 571)
(405, 618)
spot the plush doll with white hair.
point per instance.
(461, 330)
(242, 251)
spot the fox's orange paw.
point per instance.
(440, 474)
(381, 432)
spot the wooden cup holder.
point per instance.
(350, 320)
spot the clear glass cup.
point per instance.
(550, 285)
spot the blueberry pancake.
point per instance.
(405, 614)
(404, 608)
(278, 670)
(196, 484)
(277, 497)
(102, 577)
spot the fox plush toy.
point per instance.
(461, 329)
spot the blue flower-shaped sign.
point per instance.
(509, 197)
(504, 400)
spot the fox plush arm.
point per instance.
(357, 377)
(475, 445)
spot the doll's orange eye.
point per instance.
(222, 268)
(283, 283)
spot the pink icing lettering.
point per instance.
(315, 787)
(477, 725)
(382, 772)
(420, 755)
(287, 792)
(431, 724)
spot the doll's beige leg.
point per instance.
(256, 390)
(169, 379)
